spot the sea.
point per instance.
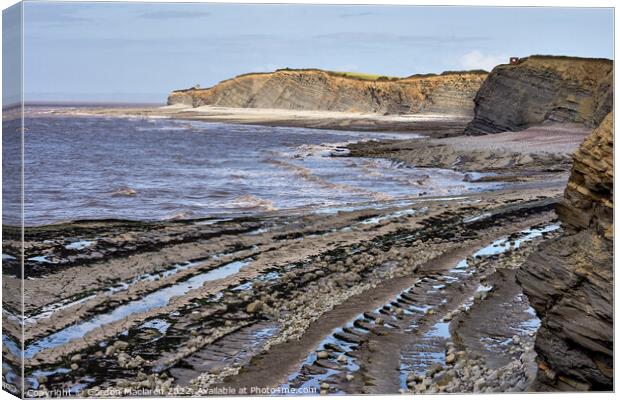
(133, 168)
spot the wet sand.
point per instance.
(540, 149)
(437, 125)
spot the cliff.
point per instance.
(449, 93)
(542, 89)
(569, 281)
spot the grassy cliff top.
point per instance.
(558, 63)
(542, 57)
(571, 68)
(362, 75)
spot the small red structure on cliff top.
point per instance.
(514, 60)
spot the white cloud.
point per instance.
(478, 60)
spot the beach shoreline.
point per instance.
(121, 252)
(164, 296)
(437, 125)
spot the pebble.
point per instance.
(254, 307)
(435, 368)
(321, 355)
(119, 344)
(215, 370)
(450, 359)
(479, 384)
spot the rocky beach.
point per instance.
(433, 234)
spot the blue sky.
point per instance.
(141, 51)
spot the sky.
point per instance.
(139, 52)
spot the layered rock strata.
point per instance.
(543, 89)
(449, 93)
(569, 282)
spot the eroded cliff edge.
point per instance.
(569, 281)
(448, 93)
(543, 89)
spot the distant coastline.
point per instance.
(114, 104)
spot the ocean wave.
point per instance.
(252, 202)
(165, 124)
(305, 173)
(321, 150)
(378, 196)
(124, 191)
(218, 193)
(182, 215)
(308, 175)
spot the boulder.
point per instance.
(255, 307)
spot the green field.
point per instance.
(363, 76)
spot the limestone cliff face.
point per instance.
(543, 89)
(569, 281)
(451, 93)
(588, 202)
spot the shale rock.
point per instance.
(543, 89)
(309, 89)
(255, 307)
(569, 281)
(588, 199)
